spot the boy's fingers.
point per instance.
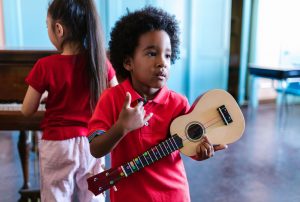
(216, 147)
(220, 147)
(202, 152)
(127, 100)
(205, 139)
(139, 105)
(148, 117)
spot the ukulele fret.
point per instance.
(167, 148)
(161, 151)
(138, 162)
(143, 160)
(123, 170)
(153, 154)
(164, 148)
(134, 164)
(156, 149)
(172, 146)
(127, 169)
(149, 154)
(147, 157)
(176, 146)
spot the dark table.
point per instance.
(275, 72)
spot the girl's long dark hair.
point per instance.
(81, 20)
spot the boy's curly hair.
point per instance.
(127, 31)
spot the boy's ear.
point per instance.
(59, 30)
(127, 64)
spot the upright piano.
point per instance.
(14, 67)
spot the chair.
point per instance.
(291, 88)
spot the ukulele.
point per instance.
(215, 114)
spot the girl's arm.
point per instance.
(31, 101)
(129, 120)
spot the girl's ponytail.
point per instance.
(97, 68)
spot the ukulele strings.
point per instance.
(215, 119)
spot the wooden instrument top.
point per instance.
(14, 67)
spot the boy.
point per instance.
(143, 45)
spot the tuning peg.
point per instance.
(114, 187)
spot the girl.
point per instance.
(74, 80)
(127, 129)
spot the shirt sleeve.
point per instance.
(186, 105)
(103, 116)
(183, 106)
(111, 70)
(36, 77)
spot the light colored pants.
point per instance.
(64, 167)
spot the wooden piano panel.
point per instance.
(11, 118)
(14, 67)
(12, 86)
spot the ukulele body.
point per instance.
(205, 119)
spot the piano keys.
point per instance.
(11, 118)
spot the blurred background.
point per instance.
(219, 38)
(251, 48)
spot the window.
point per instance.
(275, 38)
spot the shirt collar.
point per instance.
(160, 98)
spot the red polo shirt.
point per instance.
(165, 180)
(67, 105)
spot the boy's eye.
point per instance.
(151, 54)
(168, 56)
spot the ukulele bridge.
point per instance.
(225, 115)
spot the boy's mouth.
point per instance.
(161, 75)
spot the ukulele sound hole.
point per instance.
(195, 131)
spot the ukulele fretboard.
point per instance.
(152, 155)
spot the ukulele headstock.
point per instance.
(99, 183)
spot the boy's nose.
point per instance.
(161, 62)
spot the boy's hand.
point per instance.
(205, 149)
(132, 118)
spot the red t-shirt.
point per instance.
(67, 105)
(165, 180)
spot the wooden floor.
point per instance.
(263, 166)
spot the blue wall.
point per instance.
(205, 30)
(25, 23)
